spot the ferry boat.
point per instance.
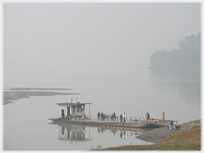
(74, 113)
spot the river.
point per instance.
(26, 125)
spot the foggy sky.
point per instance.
(92, 39)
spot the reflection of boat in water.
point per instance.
(79, 132)
(72, 132)
(73, 113)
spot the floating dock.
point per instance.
(154, 123)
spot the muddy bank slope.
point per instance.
(159, 134)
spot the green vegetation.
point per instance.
(97, 148)
(184, 140)
(129, 147)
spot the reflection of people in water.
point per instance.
(113, 131)
(124, 134)
(102, 130)
(121, 134)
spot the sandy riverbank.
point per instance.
(159, 134)
(18, 93)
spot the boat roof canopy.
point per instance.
(78, 103)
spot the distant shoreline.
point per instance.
(40, 89)
(11, 96)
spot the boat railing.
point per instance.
(52, 117)
(95, 118)
(128, 119)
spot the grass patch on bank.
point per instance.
(184, 140)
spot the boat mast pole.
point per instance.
(89, 110)
(76, 107)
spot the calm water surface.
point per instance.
(30, 129)
(26, 124)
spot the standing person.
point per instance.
(148, 116)
(124, 117)
(98, 115)
(121, 118)
(171, 125)
(102, 115)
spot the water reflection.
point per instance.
(81, 133)
(72, 133)
(186, 87)
(117, 131)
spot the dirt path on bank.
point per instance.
(159, 134)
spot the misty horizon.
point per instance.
(80, 40)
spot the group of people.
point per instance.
(122, 118)
(100, 115)
(112, 116)
(103, 116)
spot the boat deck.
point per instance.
(156, 123)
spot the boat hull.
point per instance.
(109, 123)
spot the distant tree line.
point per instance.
(187, 59)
